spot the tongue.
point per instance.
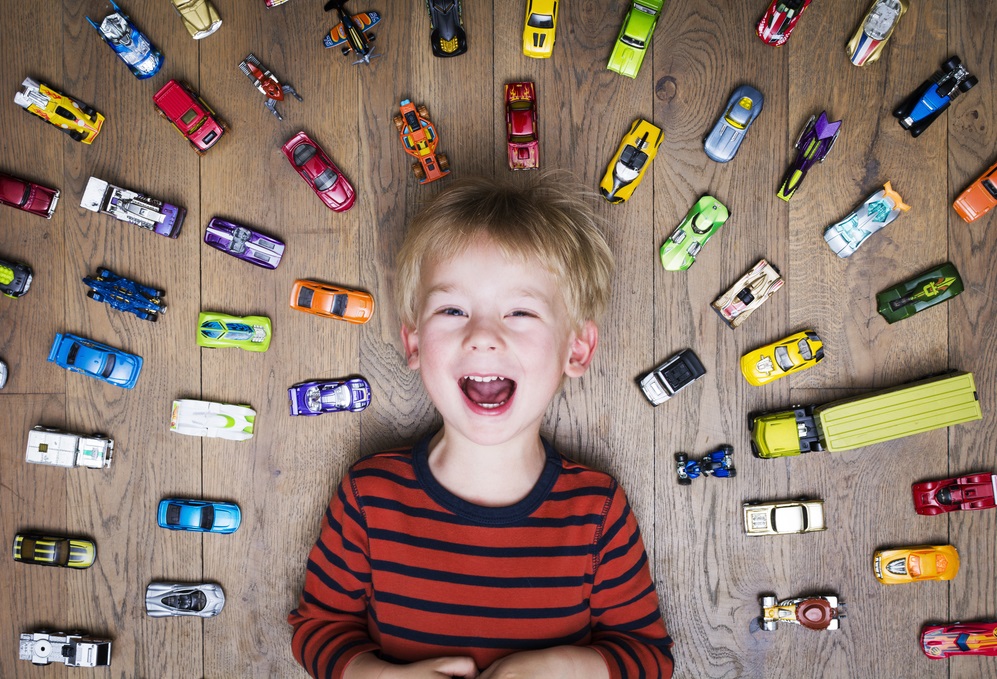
(495, 391)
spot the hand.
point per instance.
(368, 666)
(559, 662)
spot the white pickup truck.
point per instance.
(61, 449)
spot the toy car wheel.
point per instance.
(681, 457)
(769, 625)
(399, 123)
(149, 317)
(969, 83)
(769, 601)
(916, 130)
(90, 294)
(732, 472)
(371, 37)
(951, 64)
(443, 162)
(344, 50)
(685, 482)
(417, 170)
(422, 111)
(162, 115)
(796, 144)
(75, 135)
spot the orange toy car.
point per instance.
(330, 301)
(418, 135)
(913, 564)
(981, 195)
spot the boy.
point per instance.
(481, 552)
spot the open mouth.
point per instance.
(492, 391)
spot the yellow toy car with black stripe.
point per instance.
(791, 354)
(540, 28)
(913, 564)
(79, 121)
(45, 550)
(637, 150)
(217, 330)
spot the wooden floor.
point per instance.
(709, 574)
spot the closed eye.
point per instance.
(523, 314)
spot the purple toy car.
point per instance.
(813, 145)
(133, 207)
(245, 243)
(315, 398)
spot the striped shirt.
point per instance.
(405, 568)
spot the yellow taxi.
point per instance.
(913, 564)
(541, 23)
(791, 354)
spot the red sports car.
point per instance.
(780, 20)
(960, 638)
(28, 196)
(320, 173)
(976, 491)
(521, 125)
(193, 118)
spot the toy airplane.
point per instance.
(350, 34)
(267, 83)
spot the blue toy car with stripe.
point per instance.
(100, 361)
(130, 44)
(931, 99)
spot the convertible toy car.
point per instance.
(45, 550)
(914, 564)
(319, 172)
(200, 17)
(817, 612)
(28, 196)
(959, 638)
(62, 449)
(81, 122)
(979, 198)
(129, 43)
(748, 293)
(217, 330)
(975, 491)
(244, 243)
(780, 20)
(783, 518)
(540, 29)
(71, 649)
(921, 292)
(814, 143)
(267, 83)
(215, 420)
(133, 207)
(704, 219)
(124, 294)
(331, 301)
(446, 21)
(719, 463)
(878, 210)
(866, 46)
(165, 599)
(199, 516)
(333, 396)
(521, 126)
(635, 35)
(930, 100)
(94, 359)
(671, 377)
(791, 354)
(15, 278)
(626, 169)
(352, 33)
(418, 135)
(190, 115)
(723, 141)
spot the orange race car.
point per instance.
(418, 135)
(330, 301)
(979, 198)
(913, 564)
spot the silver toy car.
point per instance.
(725, 138)
(672, 376)
(164, 599)
(878, 210)
(72, 650)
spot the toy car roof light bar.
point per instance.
(931, 99)
(72, 650)
(133, 207)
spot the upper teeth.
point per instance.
(490, 378)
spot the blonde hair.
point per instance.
(548, 221)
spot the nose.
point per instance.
(481, 334)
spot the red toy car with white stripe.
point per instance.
(780, 20)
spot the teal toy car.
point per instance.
(217, 330)
(924, 290)
(635, 35)
(704, 219)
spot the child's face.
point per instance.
(493, 341)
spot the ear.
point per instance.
(410, 343)
(583, 346)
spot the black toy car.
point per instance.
(446, 18)
(929, 100)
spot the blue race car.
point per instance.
(199, 516)
(931, 99)
(315, 398)
(719, 463)
(129, 43)
(123, 294)
(81, 355)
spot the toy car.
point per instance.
(540, 29)
(28, 196)
(244, 243)
(878, 210)
(319, 172)
(46, 550)
(521, 126)
(333, 396)
(704, 219)
(331, 301)
(446, 22)
(779, 21)
(190, 115)
(672, 376)
(783, 518)
(133, 207)
(418, 135)
(217, 330)
(959, 638)
(975, 491)
(94, 359)
(866, 46)
(15, 278)
(129, 43)
(215, 420)
(635, 35)
(123, 294)
(913, 564)
(979, 198)
(748, 293)
(62, 449)
(200, 17)
(925, 290)
(273, 3)
(267, 83)
(198, 516)
(719, 463)
(165, 599)
(71, 649)
(723, 141)
(352, 33)
(626, 169)
(930, 100)
(791, 354)
(3, 374)
(81, 122)
(817, 612)
(814, 143)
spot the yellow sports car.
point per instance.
(789, 355)
(637, 150)
(912, 564)
(47, 550)
(200, 17)
(541, 23)
(79, 121)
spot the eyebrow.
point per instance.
(518, 292)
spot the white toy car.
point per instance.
(165, 599)
(218, 420)
(748, 293)
(61, 449)
(784, 518)
(878, 210)
(72, 650)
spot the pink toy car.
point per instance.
(28, 196)
(780, 20)
(976, 491)
(959, 638)
(521, 126)
(193, 118)
(320, 173)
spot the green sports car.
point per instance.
(704, 219)
(635, 35)
(924, 290)
(217, 330)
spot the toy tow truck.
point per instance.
(62, 449)
(72, 650)
(132, 207)
(124, 294)
(418, 135)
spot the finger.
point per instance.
(457, 666)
